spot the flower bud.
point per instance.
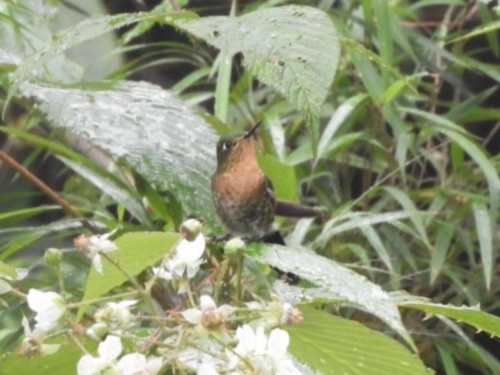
(53, 256)
(190, 229)
(234, 245)
(98, 330)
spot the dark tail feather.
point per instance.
(292, 209)
(274, 237)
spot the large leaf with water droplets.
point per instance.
(467, 314)
(332, 345)
(26, 27)
(294, 49)
(143, 125)
(332, 282)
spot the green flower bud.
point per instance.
(234, 245)
(53, 256)
(190, 229)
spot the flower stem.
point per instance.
(102, 299)
(239, 274)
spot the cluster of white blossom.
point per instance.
(207, 340)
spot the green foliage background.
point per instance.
(383, 113)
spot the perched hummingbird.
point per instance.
(244, 196)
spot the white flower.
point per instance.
(201, 361)
(116, 315)
(207, 369)
(266, 355)
(130, 364)
(33, 341)
(108, 351)
(275, 313)
(208, 315)
(49, 307)
(138, 364)
(94, 245)
(186, 261)
(113, 317)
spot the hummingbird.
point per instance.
(243, 196)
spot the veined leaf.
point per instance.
(147, 127)
(73, 36)
(294, 49)
(136, 251)
(470, 315)
(333, 282)
(333, 345)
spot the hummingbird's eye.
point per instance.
(227, 145)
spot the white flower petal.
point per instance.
(47, 349)
(278, 343)
(191, 251)
(88, 365)
(154, 365)
(110, 348)
(207, 303)
(126, 303)
(193, 268)
(100, 244)
(96, 262)
(260, 341)
(49, 307)
(206, 369)
(131, 364)
(192, 315)
(36, 299)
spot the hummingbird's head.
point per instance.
(234, 147)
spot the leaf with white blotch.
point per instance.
(294, 49)
(334, 345)
(332, 282)
(466, 314)
(144, 125)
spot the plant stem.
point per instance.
(239, 274)
(65, 205)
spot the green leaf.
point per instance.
(333, 282)
(339, 117)
(6, 270)
(407, 204)
(294, 49)
(282, 176)
(460, 136)
(333, 345)
(109, 187)
(466, 314)
(59, 363)
(145, 126)
(443, 240)
(482, 29)
(378, 245)
(136, 251)
(356, 220)
(484, 234)
(71, 37)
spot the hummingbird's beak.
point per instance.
(251, 131)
